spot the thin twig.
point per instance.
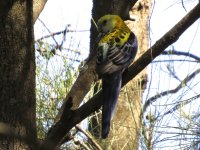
(180, 53)
(58, 33)
(183, 5)
(180, 86)
(89, 137)
(181, 104)
(48, 31)
(172, 72)
(78, 142)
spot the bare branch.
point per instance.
(50, 35)
(181, 104)
(172, 72)
(57, 45)
(89, 137)
(180, 53)
(174, 60)
(183, 5)
(169, 38)
(81, 143)
(180, 86)
(59, 32)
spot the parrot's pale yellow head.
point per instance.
(108, 22)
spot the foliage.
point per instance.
(54, 78)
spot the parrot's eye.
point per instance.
(104, 22)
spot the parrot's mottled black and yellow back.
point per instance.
(116, 50)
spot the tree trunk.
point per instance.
(126, 124)
(17, 76)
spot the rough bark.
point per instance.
(38, 6)
(17, 76)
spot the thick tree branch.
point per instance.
(70, 118)
(169, 38)
(38, 6)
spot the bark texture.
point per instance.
(17, 76)
(38, 6)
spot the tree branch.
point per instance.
(180, 53)
(69, 118)
(38, 6)
(66, 30)
(89, 137)
(169, 38)
(182, 84)
(181, 104)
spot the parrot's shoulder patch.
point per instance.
(102, 51)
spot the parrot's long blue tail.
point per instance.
(111, 85)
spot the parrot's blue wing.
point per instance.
(111, 85)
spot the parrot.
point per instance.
(116, 49)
